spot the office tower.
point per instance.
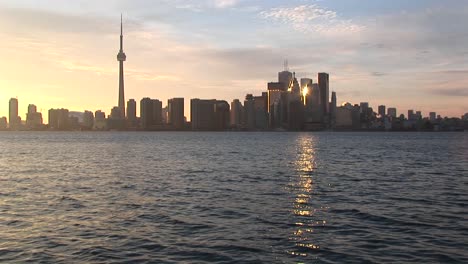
(306, 82)
(261, 111)
(131, 111)
(100, 122)
(236, 114)
(14, 119)
(392, 112)
(3, 123)
(175, 113)
(121, 57)
(313, 107)
(285, 78)
(432, 116)
(202, 114)
(157, 112)
(381, 110)
(88, 120)
(221, 115)
(59, 119)
(249, 112)
(324, 83)
(411, 115)
(364, 106)
(275, 104)
(32, 109)
(418, 115)
(333, 109)
(146, 113)
(33, 118)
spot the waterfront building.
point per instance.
(33, 118)
(14, 119)
(150, 113)
(88, 120)
(333, 109)
(176, 117)
(3, 123)
(236, 114)
(381, 110)
(222, 114)
(324, 84)
(249, 112)
(59, 119)
(392, 112)
(100, 122)
(432, 117)
(202, 114)
(131, 112)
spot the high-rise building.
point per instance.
(333, 109)
(432, 116)
(157, 112)
(236, 114)
(411, 115)
(382, 110)
(221, 115)
(14, 119)
(100, 122)
(121, 57)
(285, 78)
(88, 120)
(249, 112)
(3, 123)
(131, 111)
(33, 118)
(202, 114)
(324, 84)
(59, 119)
(392, 112)
(175, 113)
(150, 113)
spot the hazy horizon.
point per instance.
(408, 55)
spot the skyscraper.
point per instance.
(14, 119)
(131, 111)
(121, 57)
(176, 113)
(392, 112)
(382, 110)
(324, 84)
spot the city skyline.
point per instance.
(223, 69)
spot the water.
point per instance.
(233, 197)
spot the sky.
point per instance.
(404, 54)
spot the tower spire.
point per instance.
(121, 33)
(121, 57)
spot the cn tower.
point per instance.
(121, 57)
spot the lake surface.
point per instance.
(233, 197)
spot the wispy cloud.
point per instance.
(311, 18)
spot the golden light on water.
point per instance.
(303, 186)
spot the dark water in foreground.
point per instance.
(233, 197)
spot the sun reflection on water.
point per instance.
(302, 188)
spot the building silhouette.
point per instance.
(121, 57)
(131, 113)
(59, 119)
(33, 118)
(392, 112)
(14, 119)
(202, 114)
(175, 111)
(324, 84)
(381, 110)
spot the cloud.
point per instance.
(312, 18)
(457, 92)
